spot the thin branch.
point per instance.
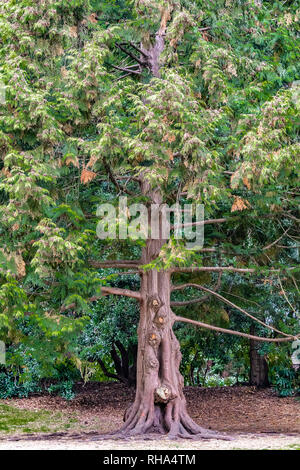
(123, 76)
(119, 186)
(285, 296)
(216, 269)
(73, 305)
(199, 300)
(233, 332)
(124, 69)
(131, 55)
(139, 50)
(228, 302)
(292, 217)
(202, 222)
(278, 239)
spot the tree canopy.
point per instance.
(200, 99)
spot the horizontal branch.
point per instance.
(183, 303)
(115, 264)
(125, 292)
(200, 300)
(73, 305)
(217, 269)
(202, 222)
(233, 332)
(228, 302)
(106, 291)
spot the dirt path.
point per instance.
(244, 442)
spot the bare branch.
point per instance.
(119, 186)
(228, 302)
(131, 55)
(115, 264)
(139, 50)
(122, 76)
(73, 305)
(106, 291)
(278, 239)
(199, 300)
(125, 292)
(233, 332)
(219, 269)
(202, 222)
(123, 69)
(216, 269)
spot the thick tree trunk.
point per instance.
(258, 364)
(159, 405)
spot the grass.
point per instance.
(18, 421)
(294, 446)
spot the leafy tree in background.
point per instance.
(162, 101)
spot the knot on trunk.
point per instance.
(154, 303)
(152, 364)
(162, 395)
(154, 339)
(161, 317)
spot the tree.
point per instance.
(169, 105)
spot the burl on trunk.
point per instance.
(159, 405)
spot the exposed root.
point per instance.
(170, 420)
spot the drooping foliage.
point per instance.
(219, 126)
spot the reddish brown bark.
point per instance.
(159, 405)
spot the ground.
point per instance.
(257, 419)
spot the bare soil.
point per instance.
(255, 418)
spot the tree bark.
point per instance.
(159, 405)
(258, 364)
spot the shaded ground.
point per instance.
(256, 418)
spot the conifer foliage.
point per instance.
(161, 101)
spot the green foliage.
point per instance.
(220, 127)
